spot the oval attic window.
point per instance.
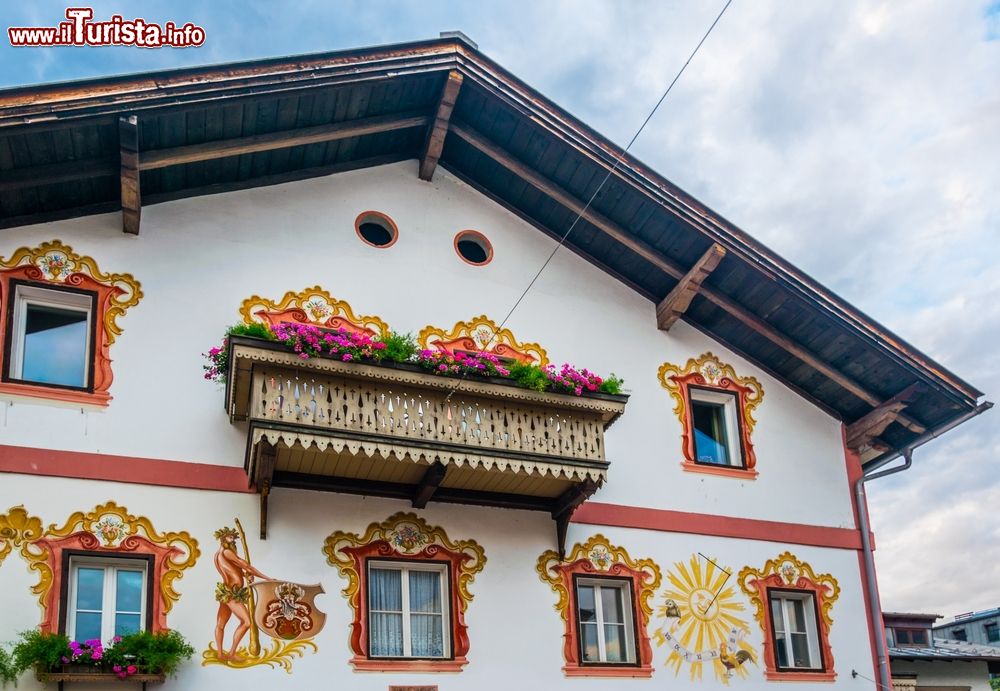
(473, 247)
(376, 229)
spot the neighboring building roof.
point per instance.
(944, 649)
(908, 615)
(71, 149)
(968, 617)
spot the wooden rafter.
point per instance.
(439, 128)
(128, 139)
(432, 479)
(864, 431)
(565, 505)
(54, 173)
(679, 299)
(162, 158)
(647, 252)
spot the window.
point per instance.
(796, 638)
(473, 247)
(50, 336)
(107, 598)
(376, 229)
(716, 429)
(408, 611)
(911, 637)
(604, 617)
(890, 639)
(959, 634)
(992, 632)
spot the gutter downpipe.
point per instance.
(864, 525)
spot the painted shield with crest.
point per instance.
(286, 610)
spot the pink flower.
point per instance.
(131, 669)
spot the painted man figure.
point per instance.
(233, 593)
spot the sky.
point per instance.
(858, 139)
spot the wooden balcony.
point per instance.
(397, 431)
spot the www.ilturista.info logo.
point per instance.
(80, 30)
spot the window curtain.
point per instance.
(426, 632)
(385, 597)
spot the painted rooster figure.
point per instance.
(731, 660)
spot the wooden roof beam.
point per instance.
(679, 299)
(236, 146)
(128, 138)
(54, 173)
(864, 431)
(653, 256)
(439, 128)
(432, 479)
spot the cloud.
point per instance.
(857, 139)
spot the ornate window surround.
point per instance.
(405, 537)
(787, 573)
(476, 335)
(310, 306)
(597, 557)
(109, 531)
(56, 266)
(708, 372)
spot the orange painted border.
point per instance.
(479, 236)
(720, 471)
(595, 513)
(141, 471)
(363, 216)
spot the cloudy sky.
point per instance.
(860, 140)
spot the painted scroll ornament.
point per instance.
(701, 623)
(282, 610)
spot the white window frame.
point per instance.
(109, 609)
(808, 600)
(628, 615)
(405, 567)
(729, 401)
(25, 295)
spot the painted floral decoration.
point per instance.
(600, 558)
(407, 538)
(110, 528)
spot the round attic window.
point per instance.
(376, 229)
(473, 247)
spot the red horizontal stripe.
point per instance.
(148, 471)
(595, 513)
(140, 471)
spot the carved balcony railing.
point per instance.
(396, 430)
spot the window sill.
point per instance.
(773, 675)
(364, 664)
(97, 399)
(720, 471)
(643, 672)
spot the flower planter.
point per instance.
(88, 675)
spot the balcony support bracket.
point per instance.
(563, 508)
(263, 477)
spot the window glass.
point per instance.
(106, 598)
(51, 336)
(89, 603)
(604, 618)
(408, 613)
(796, 636)
(992, 632)
(959, 634)
(710, 432)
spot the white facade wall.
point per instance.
(945, 673)
(198, 259)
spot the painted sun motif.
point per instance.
(701, 622)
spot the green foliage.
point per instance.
(398, 347)
(34, 648)
(995, 683)
(8, 675)
(612, 385)
(529, 376)
(254, 330)
(153, 653)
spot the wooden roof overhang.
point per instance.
(397, 431)
(123, 142)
